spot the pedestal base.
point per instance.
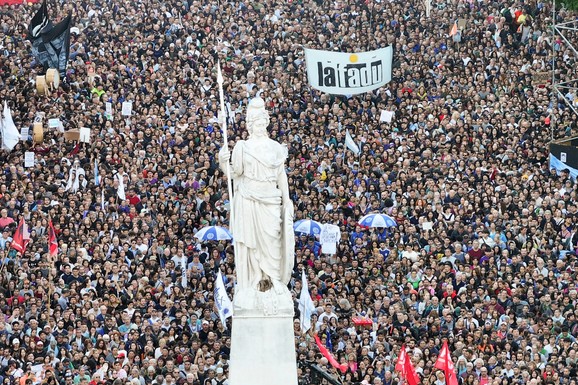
(262, 351)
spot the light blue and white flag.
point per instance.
(184, 279)
(222, 301)
(306, 305)
(350, 143)
(96, 175)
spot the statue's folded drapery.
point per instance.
(262, 215)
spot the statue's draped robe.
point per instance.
(262, 227)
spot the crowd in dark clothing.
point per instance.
(483, 254)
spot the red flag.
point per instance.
(52, 241)
(21, 237)
(405, 368)
(454, 29)
(445, 363)
(329, 356)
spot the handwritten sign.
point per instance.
(24, 133)
(126, 108)
(329, 237)
(28, 159)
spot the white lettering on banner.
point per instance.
(348, 74)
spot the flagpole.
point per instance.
(51, 265)
(225, 137)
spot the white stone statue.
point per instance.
(262, 212)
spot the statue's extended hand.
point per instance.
(224, 155)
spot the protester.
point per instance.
(483, 255)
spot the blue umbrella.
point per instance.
(213, 233)
(377, 220)
(307, 226)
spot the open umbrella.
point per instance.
(377, 220)
(307, 226)
(213, 233)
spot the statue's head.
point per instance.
(257, 117)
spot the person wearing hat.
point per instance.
(220, 378)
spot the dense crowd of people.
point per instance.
(483, 255)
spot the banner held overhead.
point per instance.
(342, 73)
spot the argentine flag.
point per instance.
(222, 301)
(306, 305)
(96, 175)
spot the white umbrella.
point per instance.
(307, 226)
(213, 233)
(377, 220)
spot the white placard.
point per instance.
(427, 226)
(329, 237)
(563, 157)
(343, 73)
(108, 112)
(386, 116)
(24, 132)
(84, 135)
(36, 369)
(54, 123)
(28, 159)
(126, 108)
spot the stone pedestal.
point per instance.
(262, 340)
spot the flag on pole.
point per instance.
(350, 143)
(21, 237)
(184, 280)
(405, 368)
(328, 341)
(120, 191)
(96, 176)
(222, 301)
(39, 22)
(454, 29)
(329, 356)
(306, 305)
(445, 363)
(52, 241)
(8, 130)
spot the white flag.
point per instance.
(120, 191)
(10, 134)
(184, 279)
(222, 301)
(306, 305)
(350, 144)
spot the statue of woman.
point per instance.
(262, 212)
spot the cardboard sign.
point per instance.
(462, 23)
(541, 78)
(72, 135)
